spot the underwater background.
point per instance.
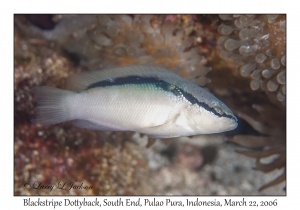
(241, 59)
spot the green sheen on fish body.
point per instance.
(141, 98)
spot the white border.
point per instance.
(154, 6)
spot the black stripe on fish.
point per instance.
(137, 80)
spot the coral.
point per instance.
(189, 156)
(110, 40)
(59, 155)
(257, 44)
(223, 172)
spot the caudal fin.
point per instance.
(52, 107)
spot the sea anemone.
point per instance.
(257, 44)
(109, 40)
(270, 122)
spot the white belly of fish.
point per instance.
(127, 108)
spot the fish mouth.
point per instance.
(233, 117)
(233, 125)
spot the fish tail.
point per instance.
(52, 107)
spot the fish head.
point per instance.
(206, 114)
(221, 117)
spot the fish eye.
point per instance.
(218, 109)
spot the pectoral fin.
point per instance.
(157, 129)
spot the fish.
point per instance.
(141, 98)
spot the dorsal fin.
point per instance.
(81, 81)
